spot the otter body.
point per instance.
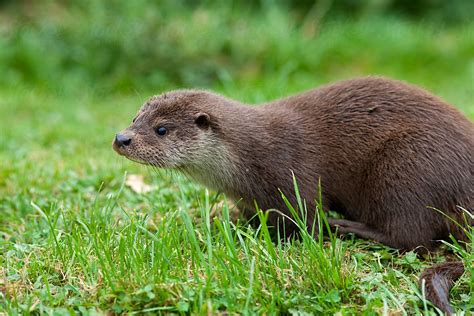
(386, 153)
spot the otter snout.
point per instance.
(122, 140)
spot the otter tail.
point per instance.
(438, 280)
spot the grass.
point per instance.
(75, 239)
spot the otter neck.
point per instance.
(239, 158)
(229, 148)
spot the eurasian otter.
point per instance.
(386, 153)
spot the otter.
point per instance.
(388, 155)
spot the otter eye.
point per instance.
(161, 131)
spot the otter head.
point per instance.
(172, 130)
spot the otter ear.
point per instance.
(202, 120)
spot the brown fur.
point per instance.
(438, 280)
(385, 152)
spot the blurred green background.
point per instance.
(264, 47)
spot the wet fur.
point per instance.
(386, 152)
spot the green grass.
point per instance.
(75, 239)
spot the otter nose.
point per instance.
(122, 140)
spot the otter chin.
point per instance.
(387, 154)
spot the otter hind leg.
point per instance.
(361, 230)
(365, 231)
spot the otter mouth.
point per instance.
(119, 150)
